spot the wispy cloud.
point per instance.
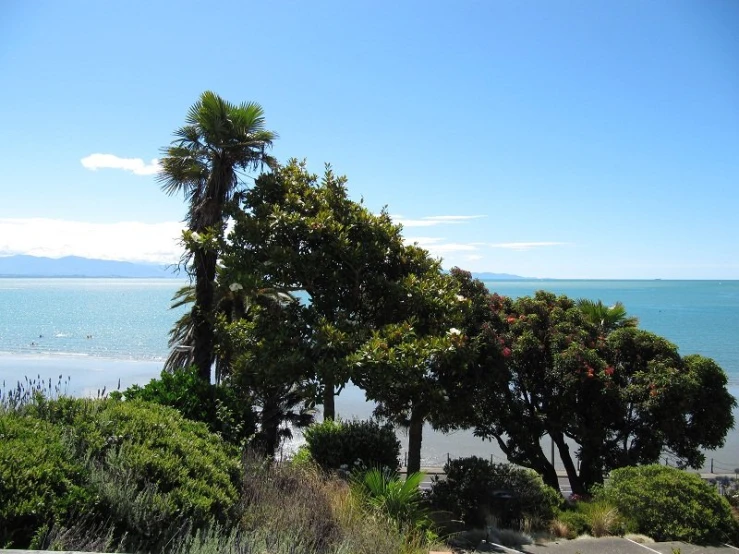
(524, 245)
(129, 240)
(434, 220)
(136, 166)
(438, 246)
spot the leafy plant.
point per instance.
(668, 504)
(334, 443)
(476, 489)
(40, 481)
(401, 499)
(218, 406)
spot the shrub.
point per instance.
(40, 482)
(400, 499)
(219, 407)
(333, 444)
(475, 489)
(152, 472)
(668, 504)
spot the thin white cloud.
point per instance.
(136, 166)
(434, 220)
(438, 246)
(129, 240)
(524, 245)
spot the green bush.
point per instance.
(668, 504)
(475, 489)
(337, 444)
(146, 472)
(40, 482)
(219, 407)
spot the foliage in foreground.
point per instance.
(218, 406)
(400, 499)
(475, 489)
(334, 444)
(141, 470)
(668, 504)
(597, 518)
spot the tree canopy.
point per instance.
(617, 400)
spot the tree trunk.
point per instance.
(329, 397)
(532, 458)
(564, 453)
(270, 428)
(591, 471)
(205, 272)
(415, 436)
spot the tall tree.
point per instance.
(413, 367)
(268, 348)
(620, 399)
(218, 142)
(296, 232)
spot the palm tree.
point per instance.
(606, 318)
(231, 302)
(219, 141)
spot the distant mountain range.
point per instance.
(74, 266)
(497, 276)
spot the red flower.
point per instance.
(506, 352)
(511, 319)
(609, 370)
(591, 373)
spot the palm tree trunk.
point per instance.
(415, 436)
(202, 316)
(270, 429)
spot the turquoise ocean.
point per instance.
(113, 332)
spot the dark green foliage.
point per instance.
(39, 481)
(139, 470)
(475, 488)
(218, 406)
(622, 395)
(577, 522)
(668, 504)
(333, 444)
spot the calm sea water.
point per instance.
(100, 332)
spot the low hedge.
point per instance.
(336, 444)
(668, 504)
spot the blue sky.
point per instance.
(563, 139)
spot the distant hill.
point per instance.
(74, 266)
(497, 276)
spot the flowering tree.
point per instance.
(617, 400)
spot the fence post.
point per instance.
(711, 465)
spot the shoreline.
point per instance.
(89, 374)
